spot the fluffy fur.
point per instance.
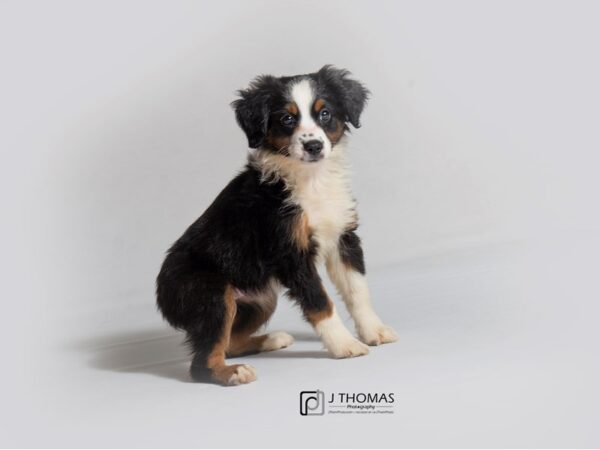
(288, 211)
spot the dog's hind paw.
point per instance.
(277, 340)
(242, 374)
(234, 375)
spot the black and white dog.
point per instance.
(288, 211)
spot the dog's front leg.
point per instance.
(305, 287)
(346, 268)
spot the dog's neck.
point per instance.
(299, 174)
(321, 190)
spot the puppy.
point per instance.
(288, 211)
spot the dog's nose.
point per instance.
(313, 147)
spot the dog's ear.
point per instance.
(352, 93)
(252, 110)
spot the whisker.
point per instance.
(283, 149)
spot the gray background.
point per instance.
(476, 174)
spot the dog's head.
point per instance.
(301, 117)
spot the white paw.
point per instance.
(276, 341)
(348, 348)
(243, 374)
(378, 334)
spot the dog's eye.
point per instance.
(288, 120)
(324, 116)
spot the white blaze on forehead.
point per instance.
(304, 97)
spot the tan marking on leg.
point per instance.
(242, 344)
(216, 358)
(317, 316)
(220, 372)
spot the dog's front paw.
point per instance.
(349, 348)
(377, 334)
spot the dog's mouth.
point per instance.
(312, 158)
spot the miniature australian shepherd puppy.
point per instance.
(288, 211)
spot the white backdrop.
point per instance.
(479, 149)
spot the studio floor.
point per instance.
(498, 347)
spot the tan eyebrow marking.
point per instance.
(319, 104)
(292, 108)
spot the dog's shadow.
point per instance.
(163, 353)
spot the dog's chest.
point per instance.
(329, 207)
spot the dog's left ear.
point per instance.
(353, 94)
(252, 110)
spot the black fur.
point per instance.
(336, 86)
(243, 239)
(351, 251)
(252, 110)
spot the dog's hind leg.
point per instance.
(253, 311)
(210, 340)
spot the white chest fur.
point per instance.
(322, 190)
(325, 197)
